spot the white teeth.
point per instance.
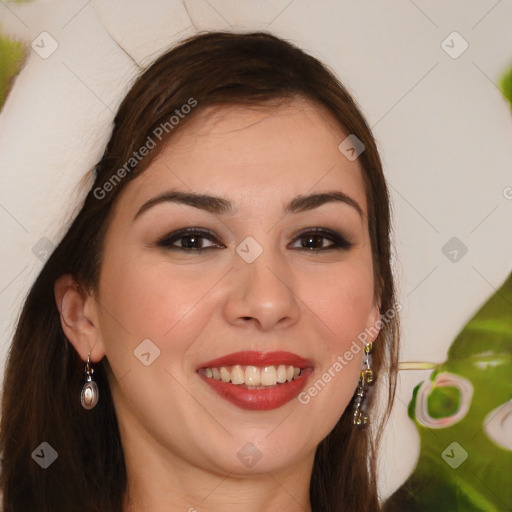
(269, 376)
(254, 377)
(281, 373)
(237, 375)
(224, 375)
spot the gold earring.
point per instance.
(366, 378)
(90, 393)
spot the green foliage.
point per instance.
(506, 85)
(412, 404)
(462, 465)
(443, 402)
(12, 56)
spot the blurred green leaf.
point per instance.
(506, 85)
(12, 56)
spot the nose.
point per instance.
(261, 294)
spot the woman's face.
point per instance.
(268, 274)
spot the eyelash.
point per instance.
(339, 242)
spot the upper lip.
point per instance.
(254, 358)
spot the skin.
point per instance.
(180, 439)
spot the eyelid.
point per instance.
(173, 236)
(340, 240)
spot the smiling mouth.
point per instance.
(255, 380)
(253, 377)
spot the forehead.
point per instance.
(264, 151)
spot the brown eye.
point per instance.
(192, 242)
(189, 240)
(319, 239)
(313, 242)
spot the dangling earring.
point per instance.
(365, 378)
(90, 394)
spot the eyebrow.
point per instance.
(218, 205)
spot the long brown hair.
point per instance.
(44, 373)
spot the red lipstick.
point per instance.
(258, 399)
(258, 359)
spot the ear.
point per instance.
(79, 318)
(374, 323)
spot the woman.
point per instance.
(208, 330)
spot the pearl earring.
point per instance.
(90, 393)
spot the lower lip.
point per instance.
(259, 399)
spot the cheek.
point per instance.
(342, 303)
(154, 300)
(342, 300)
